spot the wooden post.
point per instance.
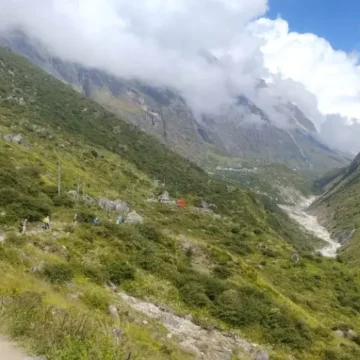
(78, 190)
(59, 178)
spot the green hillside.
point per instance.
(230, 268)
(339, 211)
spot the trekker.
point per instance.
(119, 220)
(46, 222)
(75, 220)
(23, 224)
(96, 221)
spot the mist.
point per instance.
(166, 43)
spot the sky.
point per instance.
(303, 49)
(336, 20)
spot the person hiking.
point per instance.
(46, 222)
(119, 220)
(96, 221)
(23, 224)
(75, 220)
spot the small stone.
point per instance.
(145, 322)
(189, 317)
(169, 335)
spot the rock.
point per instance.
(87, 200)
(262, 356)
(295, 258)
(339, 333)
(189, 317)
(117, 333)
(113, 312)
(96, 154)
(134, 218)
(351, 334)
(73, 193)
(2, 237)
(145, 322)
(112, 287)
(121, 207)
(109, 206)
(43, 133)
(17, 139)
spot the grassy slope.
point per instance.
(228, 280)
(338, 208)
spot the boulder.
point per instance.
(17, 139)
(121, 207)
(87, 199)
(339, 333)
(113, 312)
(109, 206)
(133, 218)
(96, 154)
(352, 335)
(73, 194)
(295, 258)
(43, 133)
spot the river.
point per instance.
(310, 223)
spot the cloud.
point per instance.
(332, 76)
(169, 43)
(161, 42)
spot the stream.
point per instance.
(310, 223)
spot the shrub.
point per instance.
(15, 239)
(193, 294)
(95, 300)
(222, 272)
(120, 271)
(58, 273)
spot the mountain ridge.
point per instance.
(163, 113)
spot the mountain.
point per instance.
(244, 130)
(205, 281)
(338, 208)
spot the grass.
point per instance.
(230, 269)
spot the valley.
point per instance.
(229, 275)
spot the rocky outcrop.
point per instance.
(134, 218)
(205, 344)
(17, 139)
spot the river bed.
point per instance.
(311, 224)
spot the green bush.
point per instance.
(15, 239)
(194, 294)
(95, 300)
(222, 272)
(58, 273)
(120, 271)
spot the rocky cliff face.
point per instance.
(244, 130)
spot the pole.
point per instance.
(59, 178)
(78, 190)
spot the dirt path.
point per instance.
(9, 351)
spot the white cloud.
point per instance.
(332, 76)
(163, 42)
